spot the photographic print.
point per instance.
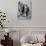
(24, 9)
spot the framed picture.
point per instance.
(24, 9)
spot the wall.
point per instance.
(38, 14)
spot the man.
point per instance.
(21, 8)
(27, 10)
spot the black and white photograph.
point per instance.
(24, 10)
